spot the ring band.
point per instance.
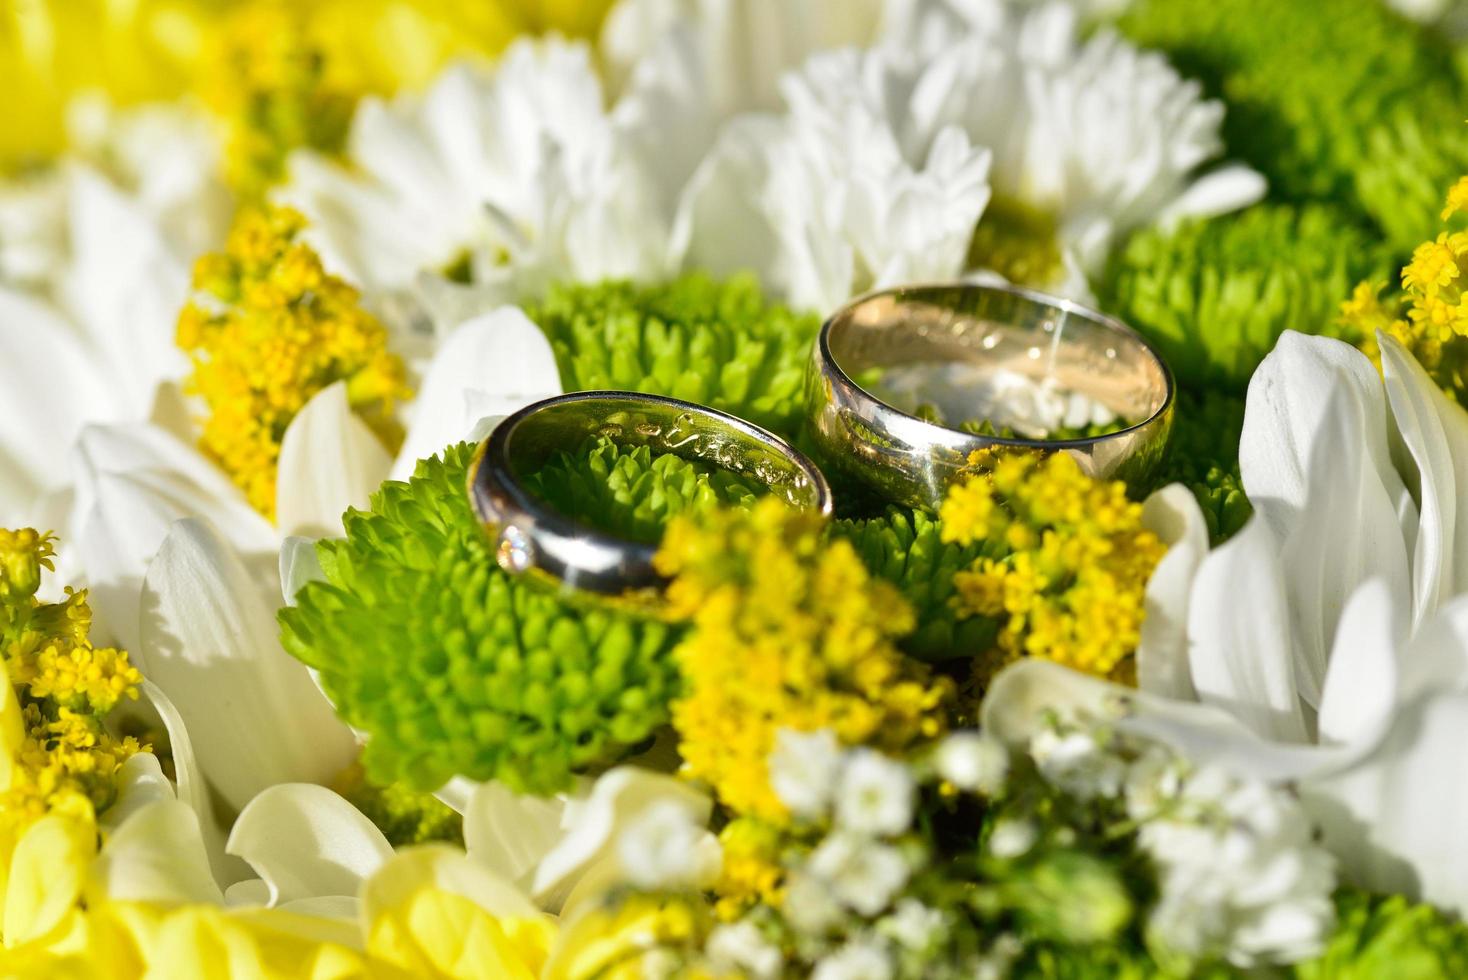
(1039, 339)
(532, 537)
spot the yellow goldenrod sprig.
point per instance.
(1429, 317)
(789, 630)
(1071, 587)
(56, 689)
(271, 330)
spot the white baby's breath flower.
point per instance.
(665, 847)
(973, 762)
(875, 794)
(864, 874)
(803, 770)
(810, 905)
(1012, 838)
(914, 926)
(1074, 761)
(1240, 875)
(741, 946)
(860, 959)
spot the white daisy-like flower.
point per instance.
(973, 762)
(875, 795)
(863, 874)
(687, 67)
(503, 179)
(1092, 138)
(803, 770)
(94, 273)
(855, 187)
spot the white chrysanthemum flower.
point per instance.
(688, 67)
(504, 179)
(853, 189)
(803, 770)
(1091, 139)
(668, 847)
(739, 947)
(864, 875)
(973, 761)
(875, 795)
(96, 263)
(860, 959)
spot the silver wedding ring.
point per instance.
(532, 538)
(1051, 345)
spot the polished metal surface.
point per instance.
(910, 460)
(533, 538)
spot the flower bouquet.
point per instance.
(442, 533)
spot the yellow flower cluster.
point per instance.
(1430, 316)
(271, 330)
(1070, 588)
(751, 870)
(322, 54)
(789, 631)
(56, 756)
(268, 82)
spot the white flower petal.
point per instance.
(1435, 432)
(211, 644)
(495, 363)
(585, 860)
(140, 783)
(1245, 663)
(448, 868)
(1171, 513)
(307, 842)
(329, 461)
(1391, 818)
(1315, 461)
(1222, 191)
(511, 833)
(156, 855)
(299, 564)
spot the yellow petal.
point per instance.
(46, 875)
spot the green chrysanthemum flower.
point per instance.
(714, 343)
(1204, 455)
(904, 547)
(453, 667)
(405, 816)
(1390, 937)
(1332, 100)
(630, 491)
(1215, 295)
